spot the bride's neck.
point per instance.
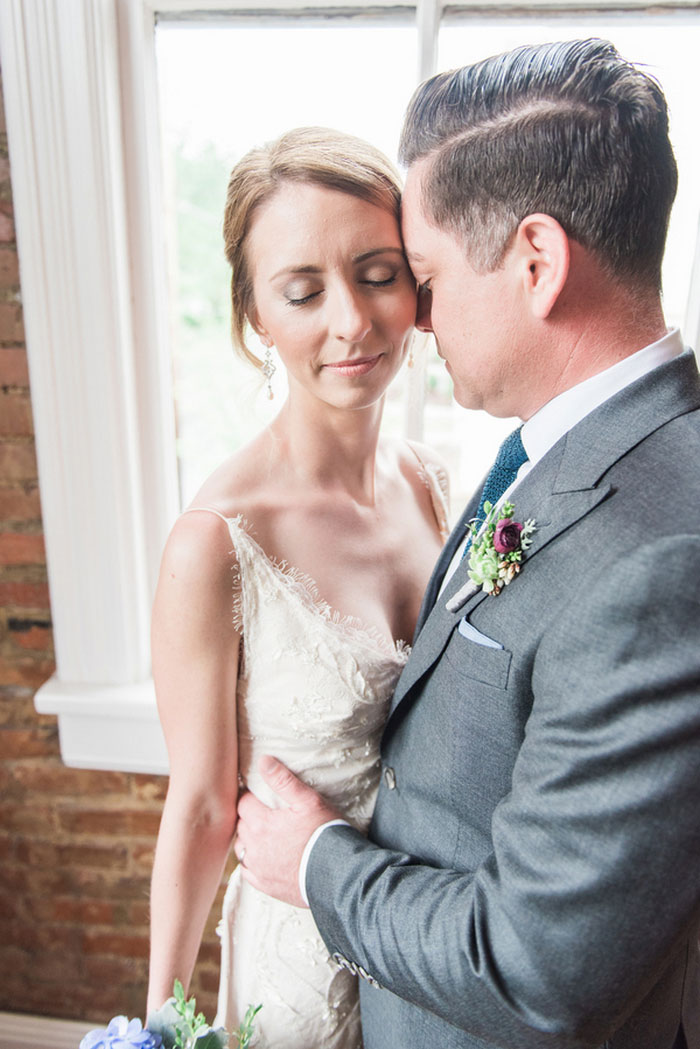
(330, 448)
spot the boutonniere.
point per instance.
(496, 553)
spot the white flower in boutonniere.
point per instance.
(496, 553)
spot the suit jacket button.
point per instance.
(390, 778)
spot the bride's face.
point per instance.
(332, 291)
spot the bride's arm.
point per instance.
(195, 661)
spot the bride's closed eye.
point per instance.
(380, 276)
(298, 293)
(303, 299)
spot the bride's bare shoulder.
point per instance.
(243, 483)
(242, 486)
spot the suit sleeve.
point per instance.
(593, 882)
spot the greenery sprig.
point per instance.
(182, 1027)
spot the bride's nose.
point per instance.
(351, 315)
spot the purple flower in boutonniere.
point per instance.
(496, 553)
(506, 537)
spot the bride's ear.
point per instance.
(543, 254)
(259, 330)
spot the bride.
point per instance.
(290, 587)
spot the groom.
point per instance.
(532, 875)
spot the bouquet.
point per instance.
(176, 1025)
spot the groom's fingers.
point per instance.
(285, 784)
(270, 842)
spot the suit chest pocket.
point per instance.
(475, 662)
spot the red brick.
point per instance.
(43, 778)
(11, 324)
(18, 460)
(26, 743)
(32, 673)
(80, 912)
(116, 969)
(13, 962)
(26, 819)
(39, 638)
(46, 854)
(21, 548)
(115, 944)
(108, 822)
(139, 914)
(8, 908)
(7, 229)
(42, 939)
(17, 711)
(9, 268)
(14, 370)
(20, 503)
(104, 885)
(150, 788)
(207, 982)
(15, 415)
(24, 595)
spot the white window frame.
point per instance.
(80, 100)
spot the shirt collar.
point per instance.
(542, 431)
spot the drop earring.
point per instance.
(268, 369)
(409, 360)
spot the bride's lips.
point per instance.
(355, 366)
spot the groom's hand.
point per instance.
(270, 842)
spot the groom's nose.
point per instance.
(423, 307)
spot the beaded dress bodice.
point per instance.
(319, 697)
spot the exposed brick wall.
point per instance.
(76, 846)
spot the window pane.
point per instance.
(222, 91)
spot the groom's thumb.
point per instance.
(284, 783)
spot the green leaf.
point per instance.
(211, 1039)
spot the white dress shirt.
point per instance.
(555, 418)
(540, 433)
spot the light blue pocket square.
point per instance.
(472, 634)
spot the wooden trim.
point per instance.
(18, 1031)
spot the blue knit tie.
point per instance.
(511, 456)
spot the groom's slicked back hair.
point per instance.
(569, 129)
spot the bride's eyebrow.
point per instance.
(293, 269)
(378, 251)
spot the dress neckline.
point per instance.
(306, 588)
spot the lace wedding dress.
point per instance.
(313, 690)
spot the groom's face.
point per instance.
(475, 316)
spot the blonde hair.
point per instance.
(312, 155)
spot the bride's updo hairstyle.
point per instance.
(312, 155)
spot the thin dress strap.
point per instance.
(435, 480)
(208, 509)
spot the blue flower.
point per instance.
(121, 1033)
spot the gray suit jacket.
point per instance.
(533, 873)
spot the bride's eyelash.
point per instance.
(385, 283)
(303, 300)
(381, 283)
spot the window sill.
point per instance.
(113, 727)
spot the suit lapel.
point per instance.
(553, 513)
(445, 560)
(560, 490)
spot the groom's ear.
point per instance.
(543, 256)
